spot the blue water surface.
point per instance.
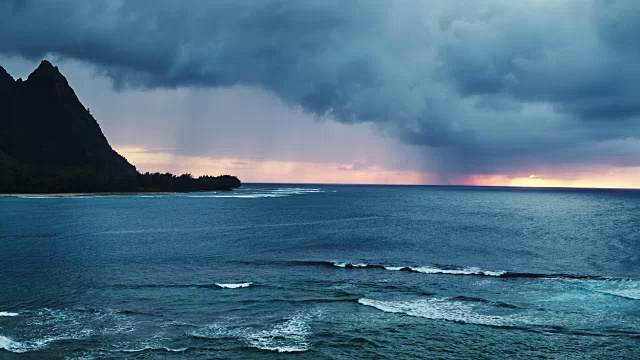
(322, 271)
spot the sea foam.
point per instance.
(13, 346)
(234, 286)
(631, 294)
(8, 313)
(150, 348)
(260, 193)
(239, 196)
(448, 309)
(46, 326)
(423, 269)
(457, 270)
(349, 265)
(627, 289)
(289, 336)
(454, 271)
(26, 346)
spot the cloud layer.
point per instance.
(486, 86)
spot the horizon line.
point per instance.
(450, 185)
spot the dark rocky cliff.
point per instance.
(45, 128)
(6, 81)
(49, 142)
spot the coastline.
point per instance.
(89, 194)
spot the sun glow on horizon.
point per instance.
(619, 178)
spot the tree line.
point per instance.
(16, 177)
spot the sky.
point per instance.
(521, 93)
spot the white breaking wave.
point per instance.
(296, 191)
(234, 286)
(461, 271)
(283, 349)
(7, 313)
(624, 288)
(633, 294)
(345, 264)
(425, 269)
(154, 348)
(48, 325)
(260, 193)
(26, 346)
(13, 346)
(289, 336)
(240, 196)
(443, 309)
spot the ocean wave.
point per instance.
(8, 313)
(318, 300)
(347, 265)
(151, 348)
(239, 196)
(234, 286)
(283, 349)
(453, 270)
(484, 301)
(289, 336)
(626, 289)
(515, 275)
(299, 301)
(449, 309)
(31, 345)
(38, 197)
(35, 330)
(631, 294)
(13, 346)
(449, 271)
(185, 286)
(262, 193)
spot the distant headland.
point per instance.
(50, 143)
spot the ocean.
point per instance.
(323, 272)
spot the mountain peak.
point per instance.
(46, 65)
(45, 129)
(5, 78)
(50, 143)
(4, 74)
(48, 71)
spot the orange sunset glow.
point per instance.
(625, 178)
(344, 173)
(270, 170)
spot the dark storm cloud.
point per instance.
(490, 86)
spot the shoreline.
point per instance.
(88, 194)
